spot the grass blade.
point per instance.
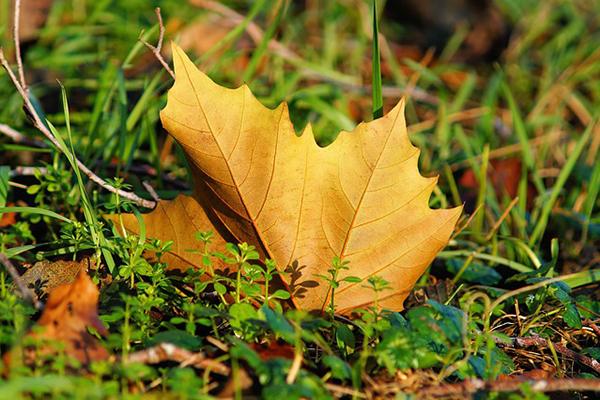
(35, 210)
(4, 175)
(542, 221)
(376, 72)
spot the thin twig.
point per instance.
(18, 137)
(471, 386)
(295, 368)
(156, 49)
(41, 126)
(343, 390)
(460, 116)
(217, 343)
(151, 191)
(592, 326)
(523, 342)
(169, 352)
(524, 289)
(509, 149)
(501, 219)
(17, 39)
(27, 294)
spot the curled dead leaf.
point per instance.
(69, 311)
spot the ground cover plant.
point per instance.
(103, 211)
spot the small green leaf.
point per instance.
(339, 369)
(220, 288)
(4, 175)
(344, 337)
(280, 294)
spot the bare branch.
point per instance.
(17, 39)
(41, 126)
(156, 49)
(471, 386)
(27, 294)
(531, 341)
(151, 191)
(169, 352)
(17, 137)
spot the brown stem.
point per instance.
(18, 137)
(37, 122)
(471, 386)
(17, 39)
(169, 352)
(156, 49)
(523, 342)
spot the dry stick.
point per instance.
(471, 113)
(156, 49)
(16, 137)
(489, 310)
(151, 191)
(502, 218)
(467, 223)
(471, 386)
(25, 291)
(592, 325)
(342, 390)
(217, 343)
(524, 289)
(295, 368)
(507, 150)
(17, 39)
(169, 352)
(37, 122)
(21, 87)
(523, 342)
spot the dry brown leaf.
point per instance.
(177, 220)
(44, 276)
(361, 198)
(69, 311)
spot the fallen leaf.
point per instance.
(8, 219)
(504, 174)
(361, 198)
(270, 350)
(534, 374)
(177, 220)
(69, 311)
(45, 276)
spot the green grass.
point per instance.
(518, 268)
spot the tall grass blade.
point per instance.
(376, 71)
(542, 221)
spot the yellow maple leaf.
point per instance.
(361, 198)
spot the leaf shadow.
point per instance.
(297, 287)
